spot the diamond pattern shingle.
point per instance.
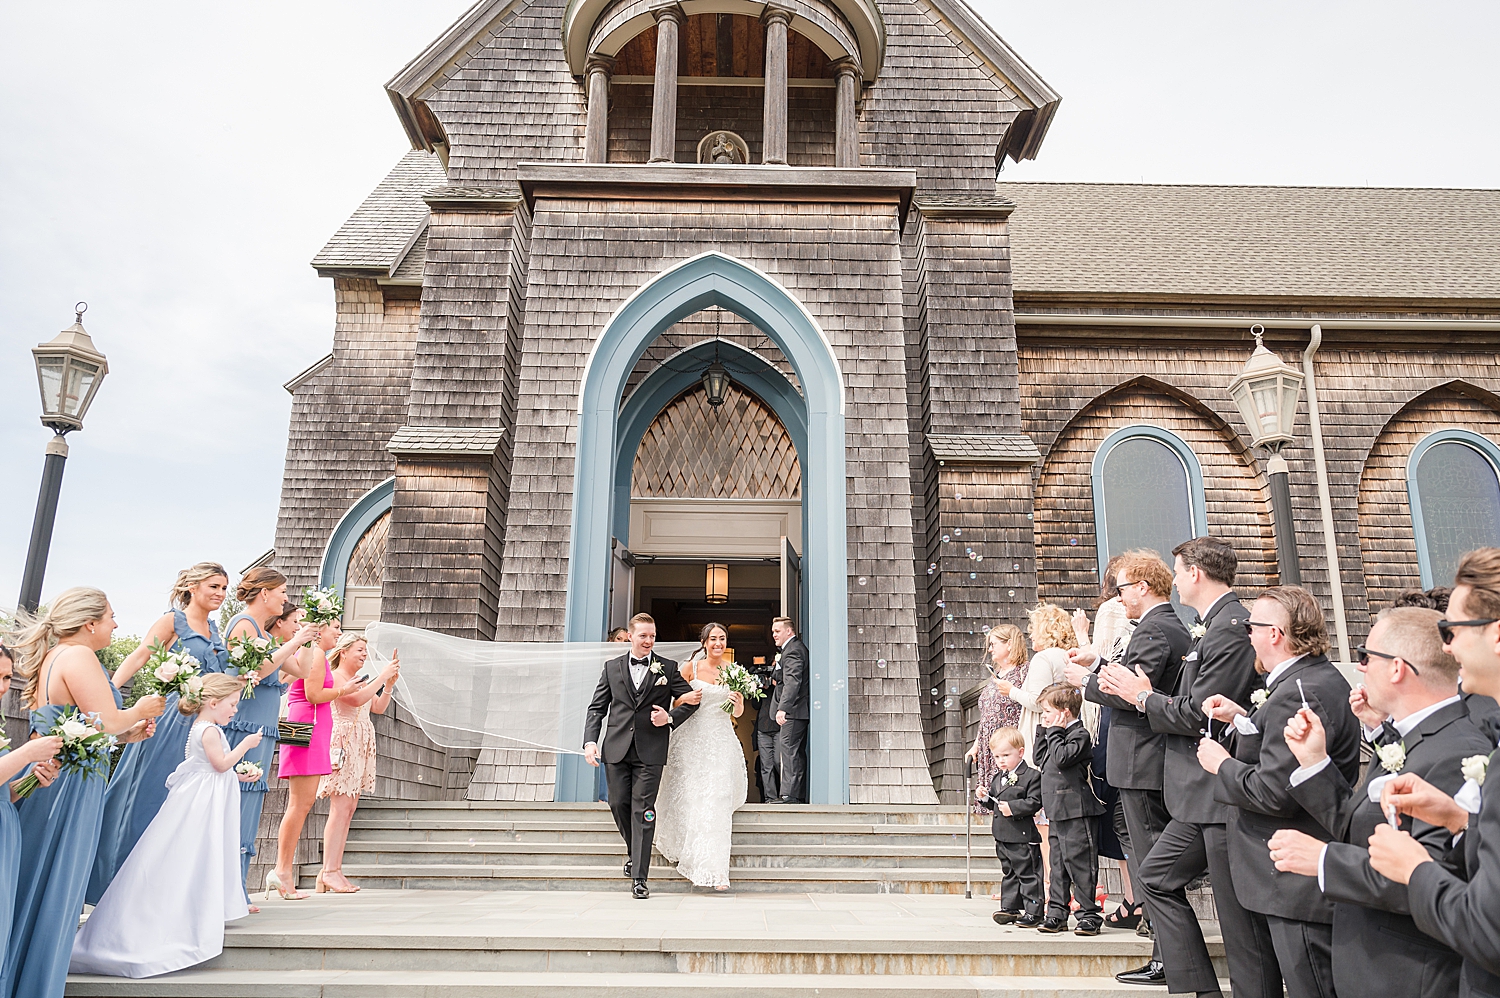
(1288, 241)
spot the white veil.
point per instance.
(499, 695)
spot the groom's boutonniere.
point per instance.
(1392, 757)
(661, 679)
(1475, 767)
(1198, 630)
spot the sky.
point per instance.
(178, 164)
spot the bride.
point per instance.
(704, 781)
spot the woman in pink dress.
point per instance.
(1007, 665)
(303, 765)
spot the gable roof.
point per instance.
(1208, 241)
(382, 230)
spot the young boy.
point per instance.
(1063, 751)
(1015, 795)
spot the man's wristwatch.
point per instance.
(1140, 699)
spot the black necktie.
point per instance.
(1388, 734)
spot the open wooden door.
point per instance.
(621, 586)
(791, 584)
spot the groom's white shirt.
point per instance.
(638, 670)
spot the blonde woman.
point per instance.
(138, 787)
(997, 709)
(351, 753)
(60, 823)
(1051, 632)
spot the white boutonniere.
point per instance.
(656, 666)
(1009, 780)
(1259, 698)
(777, 659)
(1198, 630)
(1475, 767)
(1392, 757)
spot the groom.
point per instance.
(637, 691)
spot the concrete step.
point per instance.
(750, 813)
(364, 851)
(477, 830)
(480, 984)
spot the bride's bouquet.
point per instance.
(322, 606)
(247, 656)
(167, 672)
(737, 679)
(85, 748)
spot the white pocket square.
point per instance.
(662, 681)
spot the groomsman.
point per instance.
(1136, 754)
(765, 734)
(1221, 661)
(1290, 638)
(1457, 901)
(791, 713)
(1412, 713)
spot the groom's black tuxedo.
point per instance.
(634, 749)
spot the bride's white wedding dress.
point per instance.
(703, 784)
(166, 908)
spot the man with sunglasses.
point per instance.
(1290, 637)
(1457, 900)
(1411, 712)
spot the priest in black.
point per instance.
(636, 691)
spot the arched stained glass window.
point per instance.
(1455, 500)
(1148, 493)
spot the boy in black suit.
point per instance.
(1015, 795)
(1064, 751)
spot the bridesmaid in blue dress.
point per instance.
(263, 591)
(60, 823)
(139, 784)
(39, 751)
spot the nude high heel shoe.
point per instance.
(318, 885)
(273, 882)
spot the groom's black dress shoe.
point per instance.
(1152, 973)
(627, 868)
(639, 891)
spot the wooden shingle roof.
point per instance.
(1181, 240)
(378, 236)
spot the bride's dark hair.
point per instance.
(708, 629)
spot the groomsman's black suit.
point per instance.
(1257, 782)
(1377, 951)
(1195, 841)
(766, 730)
(1065, 756)
(1018, 842)
(1458, 901)
(792, 697)
(634, 749)
(1137, 755)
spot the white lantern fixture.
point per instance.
(716, 585)
(69, 370)
(1266, 393)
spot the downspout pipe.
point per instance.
(1325, 499)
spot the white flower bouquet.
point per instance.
(167, 672)
(322, 606)
(85, 748)
(247, 656)
(250, 769)
(737, 679)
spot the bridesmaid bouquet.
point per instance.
(250, 769)
(167, 672)
(737, 679)
(85, 749)
(247, 656)
(322, 606)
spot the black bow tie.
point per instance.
(1388, 734)
(640, 661)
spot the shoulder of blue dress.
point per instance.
(248, 727)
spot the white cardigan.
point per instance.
(1045, 669)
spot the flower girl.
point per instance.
(166, 908)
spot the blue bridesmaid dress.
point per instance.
(10, 863)
(259, 713)
(139, 785)
(59, 836)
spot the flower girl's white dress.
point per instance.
(166, 908)
(703, 784)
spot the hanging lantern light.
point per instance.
(716, 384)
(1266, 393)
(716, 586)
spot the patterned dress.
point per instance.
(996, 711)
(354, 734)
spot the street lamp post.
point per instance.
(1266, 394)
(68, 370)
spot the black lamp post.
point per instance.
(1266, 394)
(69, 370)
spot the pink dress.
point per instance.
(308, 760)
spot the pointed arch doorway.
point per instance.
(815, 419)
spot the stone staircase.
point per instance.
(515, 846)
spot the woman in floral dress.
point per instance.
(1007, 665)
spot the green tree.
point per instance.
(119, 649)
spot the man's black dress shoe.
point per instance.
(1089, 928)
(627, 868)
(1029, 921)
(1053, 925)
(1152, 973)
(1004, 917)
(640, 893)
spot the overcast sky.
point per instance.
(177, 165)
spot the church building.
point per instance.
(715, 309)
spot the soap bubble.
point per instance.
(949, 617)
(880, 663)
(1073, 541)
(957, 532)
(1016, 567)
(931, 565)
(1011, 594)
(471, 842)
(945, 538)
(861, 580)
(934, 691)
(931, 570)
(973, 575)
(948, 702)
(968, 550)
(959, 496)
(941, 604)
(1029, 516)
(953, 689)
(817, 705)
(861, 630)
(979, 557)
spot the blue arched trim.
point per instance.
(1453, 435)
(695, 284)
(350, 529)
(1196, 501)
(682, 371)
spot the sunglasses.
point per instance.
(1251, 625)
(1363, 654)
(1445, 627)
